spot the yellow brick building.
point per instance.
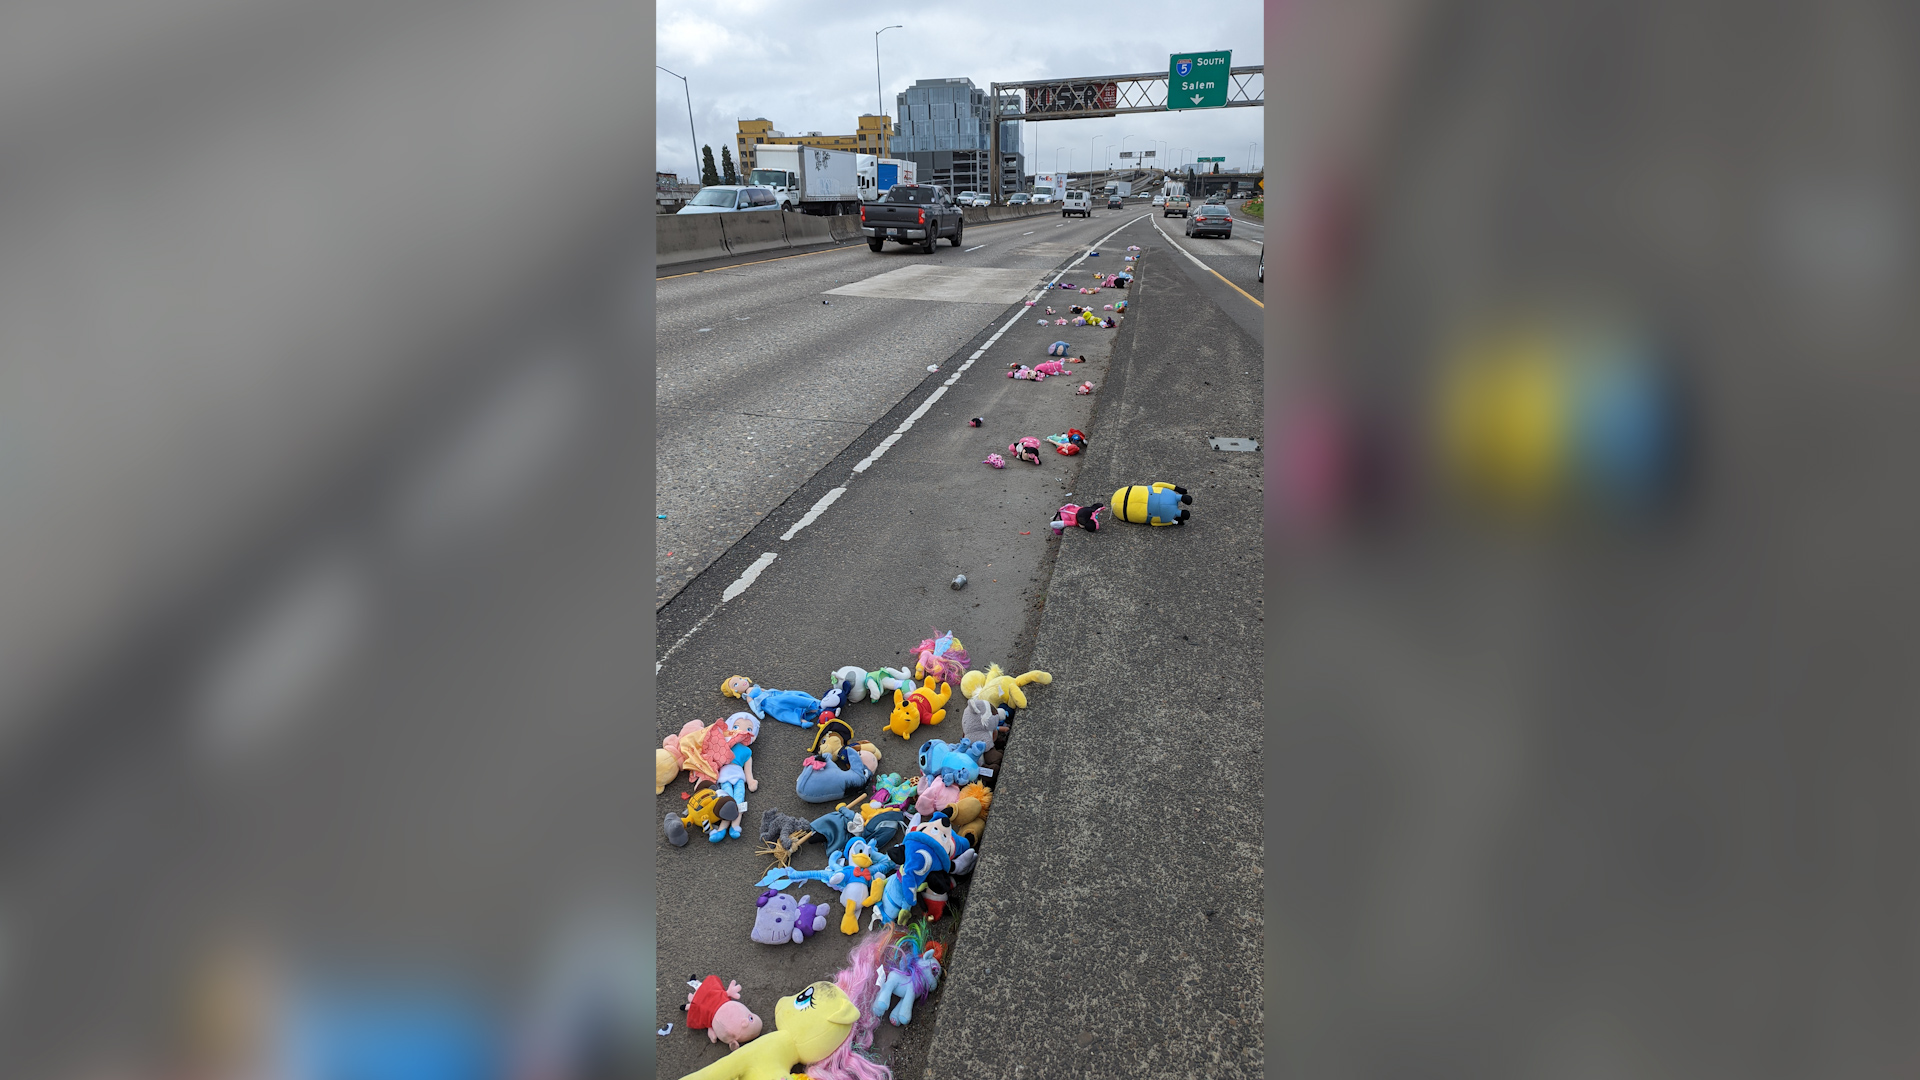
(874, 136)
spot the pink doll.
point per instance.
(1026, 448)
(1050, 367)
(996, 461)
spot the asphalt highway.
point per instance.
(763, 376)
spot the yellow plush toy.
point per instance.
(927, 705)
(999, 688)
(808, 1028)
(665, 766)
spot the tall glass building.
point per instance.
(944, 130)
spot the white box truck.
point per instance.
(1122, 188)
(1049, 187)
(808, 178)
(878, 175)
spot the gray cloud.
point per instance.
(810, 67)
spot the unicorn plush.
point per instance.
(912, 972)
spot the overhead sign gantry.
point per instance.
(1196, 80)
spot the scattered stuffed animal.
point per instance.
(717, 1009)
(708, 810)
(1026, 448)
(849, 674)
(1071, 516)
(1109, 324)
(925, 705)
(956, 763)
(1059, 322)
(995, 460)
(969, 811)
(837, 698)
(782, 919)
(941, 656)
(1050, 367)
(783, 834)
(935, 894)
(1042, 322)
(1084, 388)
(736, 776)
(808, 1028)
(854, 872)
(975, 422)
(936, 795)
(981, 721)
(700, 748)
(1050, 311)
(1121, 306)
(786, 706)
(1022, 371)
(958, 849)
(912, 972)
(1076, 360)
(998, 688)
(666, 765)
(1133, 247)
(1058, 348)
(1158, 503)
(1075, 310)
(882, 680)
(898, 789)
(1069, 444)
(823, 779)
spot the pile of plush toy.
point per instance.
(894, 845)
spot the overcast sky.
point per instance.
(809, 66)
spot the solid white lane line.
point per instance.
(813, 515)
(976, 247)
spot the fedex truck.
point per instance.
(1049, 187)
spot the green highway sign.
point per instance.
(1198, 80)
(1209, 159)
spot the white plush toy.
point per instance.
(858, 676)
(883, 681)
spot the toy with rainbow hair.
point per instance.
(822, 1028)
(912, 971)
(941, 657)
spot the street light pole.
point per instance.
(690, 134)
(1056, 158)
(1123, 145)
(879, 98)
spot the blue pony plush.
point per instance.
(956, 763)
(912, 972)
(1058, 348)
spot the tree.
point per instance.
(1216, 168)
(709, 176)
(726, 166)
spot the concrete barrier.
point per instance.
(686, 237)
(755, 231)
(805, 230)
(974, 215)
(845, 228)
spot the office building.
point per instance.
(944, 130)
(874, 135)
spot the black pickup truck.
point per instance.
(912, 214)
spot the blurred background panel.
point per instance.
(1594, 750)
(323, 327)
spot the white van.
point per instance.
(1077, 202)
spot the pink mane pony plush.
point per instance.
(1050, 367)
(942, 657)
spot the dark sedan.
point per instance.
(1210, 220)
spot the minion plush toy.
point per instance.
(1158, 503)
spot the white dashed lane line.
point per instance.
(752, 573)
(976, 247)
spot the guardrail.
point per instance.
(683, 238)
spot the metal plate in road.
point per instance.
(952, 284)
(1244, 446)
